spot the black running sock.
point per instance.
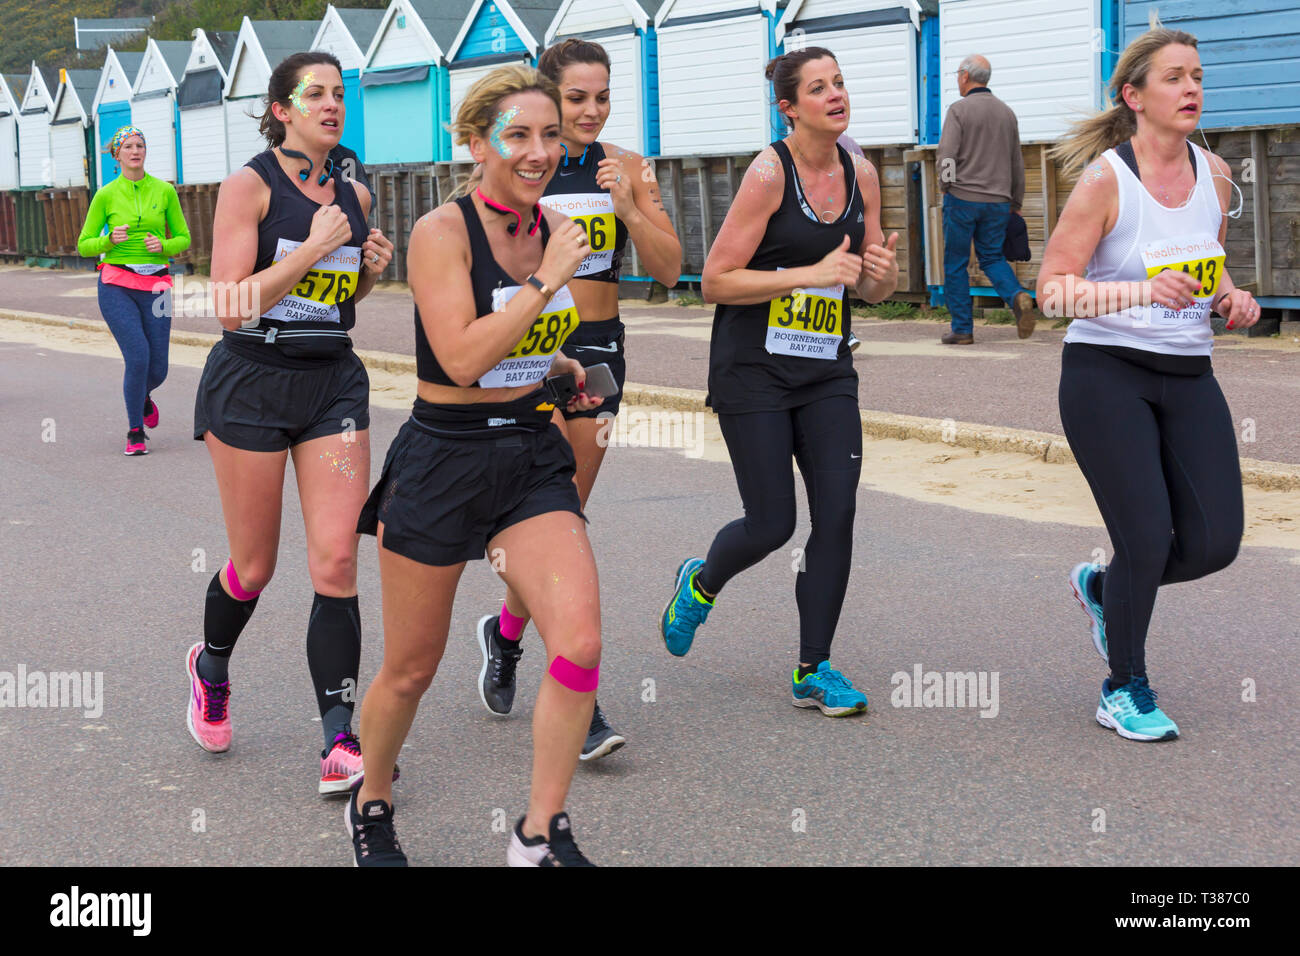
(1096, 585)
(224, 618)
(802, 672)
(334, 658)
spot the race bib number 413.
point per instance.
(316, 297)
(808, 323)
(1198, 255)
(594, 212)
(529, 360)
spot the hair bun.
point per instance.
(770, 70)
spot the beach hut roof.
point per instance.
(665, 11)
(175, 54)
(362, 24)
(443, 19)
(80, 85)
(529, 19)
(280, 38)
(128, 63)
(913, 8)
(9, 97)
(43, 80)
(101, 32)
(223, 43)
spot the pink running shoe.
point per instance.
(208, 716)
(150, 413)
(135, 443)
(340, 767)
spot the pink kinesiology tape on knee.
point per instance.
(236, 589)
(580, 679)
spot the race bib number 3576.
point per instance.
(808, 323)
(529, 360)
(316, 297)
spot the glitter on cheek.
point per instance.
(295, 97)
(503, 120)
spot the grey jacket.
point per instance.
(979, 152)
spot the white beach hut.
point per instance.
(70, 122)
(34, 165)
(153, 105)
(625, 28)
(202, 108)
(260, 46)
(10, 105)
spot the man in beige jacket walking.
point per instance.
(982, 177)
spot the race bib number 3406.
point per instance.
(1200, 256)
(316, 297)
(530, 359)
(808, 323)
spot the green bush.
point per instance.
(998, 317)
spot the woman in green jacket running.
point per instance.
(125, 227)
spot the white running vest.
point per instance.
(1146, 238)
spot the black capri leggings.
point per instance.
(1160, 454)
(825, 438)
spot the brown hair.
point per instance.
(284, 78)
(784, 70)
(1090, 137)
(559, 55)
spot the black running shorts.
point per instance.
(592, 344)
(260, 407)
(441, 500)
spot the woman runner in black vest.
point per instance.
(480, 466)
(803, 230)
(612, 193)
(291, 256)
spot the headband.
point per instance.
(120, 137)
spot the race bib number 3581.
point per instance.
(316, 297)
(529, 360)
(808, 323)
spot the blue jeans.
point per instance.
(142, 326)
(986, 222)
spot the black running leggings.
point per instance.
(1160, 454)
(825, 438)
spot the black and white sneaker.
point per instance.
(374, 839)
(602, 739)
(496, 679)
(557, 850)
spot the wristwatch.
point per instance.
(540, 286)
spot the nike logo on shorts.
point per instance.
(611, 347)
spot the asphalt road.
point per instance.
(97, 552)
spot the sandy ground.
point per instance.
(1009, 484)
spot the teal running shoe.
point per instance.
(1131, 712)
(828, 690)
(685, 612)
(1081, 576)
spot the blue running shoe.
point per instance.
(685, 612)
(1131, 712)
(1081, 576)
(828, 690)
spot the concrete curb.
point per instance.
(1269, 475)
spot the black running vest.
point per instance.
(531, 357)
(573, 192)
(793, 350)
(310, 325)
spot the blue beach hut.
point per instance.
(495, 32)
(404, 82)
(112, 107)
(347, 34)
